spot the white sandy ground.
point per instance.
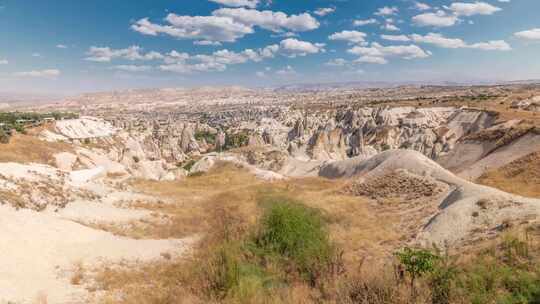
(85, 127)
(38, 249)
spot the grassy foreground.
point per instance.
(297, 242)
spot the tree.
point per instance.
(4, 137)
(417, 262)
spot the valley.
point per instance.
(144, 184)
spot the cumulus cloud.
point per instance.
(3, 61)
(386, 11)
(207, 42)
(531, 35)
(51, 73)
(132, 68)
(106, 54)
(371, 59)
(269, 20)
(390, 27)
(287, 71)
(439, 40)
(351, 36)
(209, 28)
(401, 38)
(217, 61)
(364, 22)
(421, 6)
(456, 43)
(226, 24)
(238, 3)
(336, 62)
(471, 9)
(377, 53)
(324, 11)
(493, 45)
(292, 47)
(436, 19)
(61, 46)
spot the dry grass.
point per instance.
(521, 176)
(226, 201)
(193, 203)
(27, 149)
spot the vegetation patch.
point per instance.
(19, 121)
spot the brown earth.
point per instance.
(29, 149)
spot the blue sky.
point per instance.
(66, 46)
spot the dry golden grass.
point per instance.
(27, 148)
(227, 198)
(193, 202)
(520, 177)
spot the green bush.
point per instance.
(417, 263)
(4, 137)
(289, 244)
(189, 164)
(207, 136)
(236, 140)
(297, 233)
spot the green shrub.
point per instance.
(207, 136)
(236, 140)
(417, 263)
(189, 164)
(506, 275)
(4, 137)
(298, 234)
(442, 280)
(289, 244)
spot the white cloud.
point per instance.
(260, 74)
(37, 55)
(371, 59)
(210, 28)
(390, 27)
(456, 43)
(238, 3)
(51, 74)
(207, 42)
(471, 9)
(217, 61)
(401, 38)
(437, 19)
(324, 11)
(3, 61)
(106, 54)
(269, 20)
(226, 24)
(439, 40)
(377, 53)
(532, 34)
(386, 11)
(364, 22)
(493, 45)
(287, 71)
(292, 47)
(421, 6)
(336, 62)
(132, 68)
(351, 36)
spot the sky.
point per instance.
(67, 46)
